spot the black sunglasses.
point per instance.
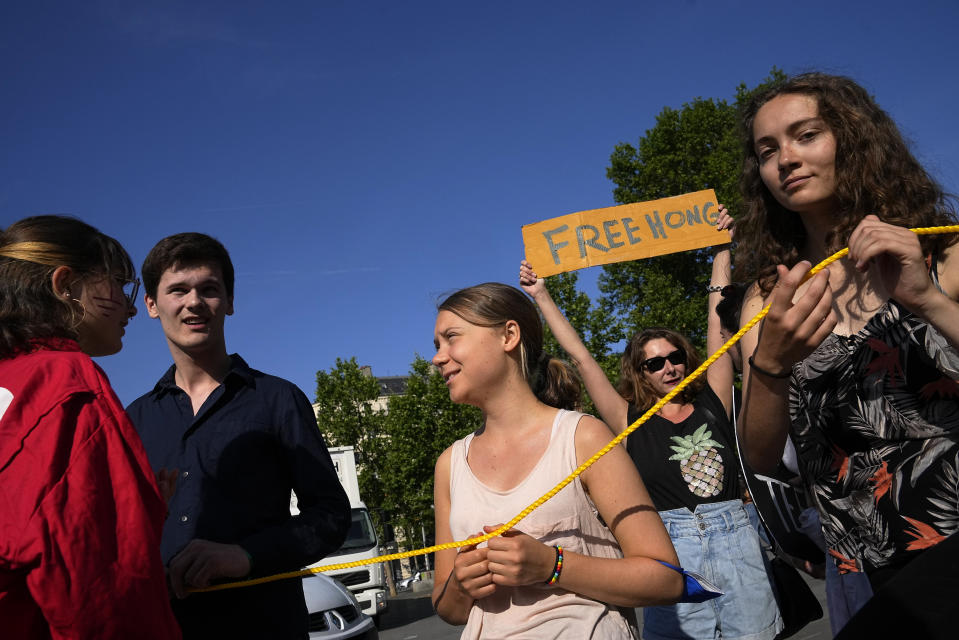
(653, 365)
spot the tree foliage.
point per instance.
(346, 417)
(692, 148)
(396, 445)
(422, 423)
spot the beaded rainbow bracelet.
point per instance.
(558, 567)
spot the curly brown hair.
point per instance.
(633, 385)
(875, 174)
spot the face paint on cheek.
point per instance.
(107, 305)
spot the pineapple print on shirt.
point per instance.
(700, 462)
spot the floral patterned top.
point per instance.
(875, 420)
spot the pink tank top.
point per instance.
(568, 519)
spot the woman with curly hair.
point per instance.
(686, 455)
(859, 363)
(81, 511)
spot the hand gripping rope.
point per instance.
(583, 467)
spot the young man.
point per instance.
(240, 441)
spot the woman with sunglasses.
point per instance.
(81, 511)
(686, 454)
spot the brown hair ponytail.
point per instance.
(492, 304)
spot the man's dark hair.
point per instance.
(729, 307)
(181, 250)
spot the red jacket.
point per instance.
(80, 512)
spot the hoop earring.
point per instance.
(73, 311)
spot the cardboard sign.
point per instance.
(627, 232)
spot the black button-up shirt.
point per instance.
(253, 441)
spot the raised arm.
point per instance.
(789, 333)
(721, 374)
(612, 406)
(635, 580)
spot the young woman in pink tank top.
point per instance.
(521, 584)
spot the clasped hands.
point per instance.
(510, 560)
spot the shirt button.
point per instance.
(699, 516)
(184, 518)
(702, 525)
(186, 474)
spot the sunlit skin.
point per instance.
(664, 380)
(464, 355)
(797, 153)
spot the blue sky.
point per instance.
(361, 159)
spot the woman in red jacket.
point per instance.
(80, 511)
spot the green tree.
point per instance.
(346, 417)
(397, 446)
(692, 148)
(695, 147)
(422, 423)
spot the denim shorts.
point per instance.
(718, 542)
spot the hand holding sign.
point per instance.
(627, 232)
(725, 222)
(529, 281)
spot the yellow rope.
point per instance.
(579, 470)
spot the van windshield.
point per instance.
(361, 535)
